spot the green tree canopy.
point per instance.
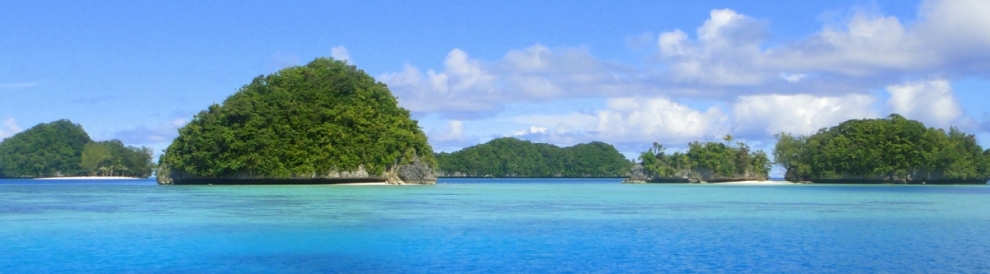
(511, 157)
(889, 149)
(93, 157)
(45, 150)
(62, 148)
(299, 122)
(709, 161)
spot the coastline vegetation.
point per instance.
(703, 162)
(64, 149)
(511, 157)
(300, 122)
(891, 150)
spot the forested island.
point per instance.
(888, 150)
(703, 163)
(325, 122)
(511, 157)
(64, 149)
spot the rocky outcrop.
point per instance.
(637, 175)
(416, 172)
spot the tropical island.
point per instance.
(708, 162)
(62, 149)
(887, 150)
(323, 123)
(509, 157)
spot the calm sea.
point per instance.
(492, 226)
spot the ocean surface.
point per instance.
(492, 226)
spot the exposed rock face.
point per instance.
(414, 173)
(637, 175)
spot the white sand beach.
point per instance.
(89, 178)
(758, 183)
(363, 184)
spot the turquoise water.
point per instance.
(491, 226)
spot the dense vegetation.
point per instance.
(709, 161)
(62, 148)
(302, 121)
(511, 157)
(891, 149)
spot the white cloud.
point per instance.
(727, 49)
(534, 74)
(792, 78)
(796, 86)
(643, 119)
(10, 128)
(463, 85)
(958, 29)
(764, 115)
(454, 132)
(340, 53)
(629, 120)
(727, 57)
(931, 102)
(532, 130)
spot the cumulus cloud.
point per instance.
(455, 131)
(726, 50)
(452, 137)
(9, 128)
(340, 53)
(628, 120)
(868, 50)
(534, 74)
(931, 102)
(797, 86)
(532, 130)
(764, 115)
(724, 58)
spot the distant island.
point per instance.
(709, 162)
(509, 157)
(63, 149)
(322, 123)
(892, 150)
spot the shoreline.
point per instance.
(756, 183)
(89, 178)
(362, 184)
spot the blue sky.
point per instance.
(563, 72)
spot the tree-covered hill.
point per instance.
(889, 150)
(709, 161)
(511, 157)
(62, 148)
(314, 121)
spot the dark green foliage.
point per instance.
(299, 122)
(55, 149)
(511, 157)
(45, 150)
(112, 158)
(890, 149)
(707, 161)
